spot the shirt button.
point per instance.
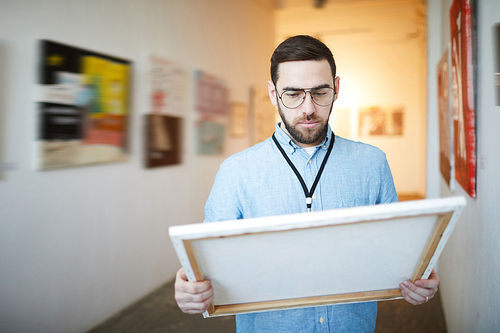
(310, 162)
(291, 150)
(321, 320)
(314, 196)
(323, 146)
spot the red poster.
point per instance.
(462, 89)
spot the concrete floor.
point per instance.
(158, 312)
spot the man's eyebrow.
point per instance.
(326, 85)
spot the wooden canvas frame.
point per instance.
(299, 260)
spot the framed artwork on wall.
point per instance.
(462, 94)
(210, 137)
(163, 140)
(166, 91)
(263, 115)
(167, 87)
(83, 108)
(378, 121)
(212, 111)
(446, 160)
(238, 121)
(212, 95)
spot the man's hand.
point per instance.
(421, 291)
(192, 297)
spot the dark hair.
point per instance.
(298, 48)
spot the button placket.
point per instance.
(310, 172)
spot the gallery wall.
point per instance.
(380, 52)
(469, 265)
(79, 244)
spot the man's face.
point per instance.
(308, 123)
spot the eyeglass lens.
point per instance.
(320, 96)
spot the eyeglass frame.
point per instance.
(305, 95)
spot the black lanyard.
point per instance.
(307, 193)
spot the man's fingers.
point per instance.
(425, 289)
(181, 296)
(193, 288)
(416, 295)
(195, 308)
(192, 297)
(194, 304)
(414, 298)
(181, 274)
(183, 285)
(431, 283)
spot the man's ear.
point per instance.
(272, 92)
(337, 87)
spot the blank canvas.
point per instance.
(309, 259)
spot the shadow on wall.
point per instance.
(3, 106)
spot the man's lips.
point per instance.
(308, 124)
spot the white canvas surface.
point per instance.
(314, 254)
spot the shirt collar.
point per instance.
(286, 141)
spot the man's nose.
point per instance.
(308, 106)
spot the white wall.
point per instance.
(77, 245)
(469, 265)
(379, 48)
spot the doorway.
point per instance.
(381, 56)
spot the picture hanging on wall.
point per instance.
(163, 140)
(446, 160)
(212, 96)
(238, 120)
(166, 87)
(83, 107)
(264, 115)
(212, 111)
(462, 95)
(378, 121)
(210, 138)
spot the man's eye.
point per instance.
(292, 94)
(320, 92)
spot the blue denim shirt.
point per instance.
(259, 182)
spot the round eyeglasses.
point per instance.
(293, 98)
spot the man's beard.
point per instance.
(306, 135)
